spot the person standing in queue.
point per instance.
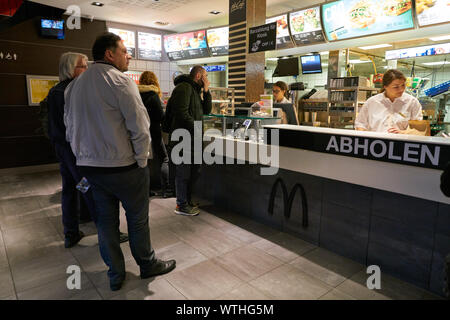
(183, 108)
(108, 129)
(71, 65)
(390, 110)
(151, 97)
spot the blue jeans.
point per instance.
(185, 177)
(131, 188)
(70, 195)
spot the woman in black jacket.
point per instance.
(151, 97)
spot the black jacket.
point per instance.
(150, 98)
(56, 127)
(186, 105)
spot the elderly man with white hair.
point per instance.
(71, 65)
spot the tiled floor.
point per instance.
(219, 256)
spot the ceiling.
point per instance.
(182, 15)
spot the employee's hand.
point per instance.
(393, 130)
(206, 83)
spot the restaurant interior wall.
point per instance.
(21, 140)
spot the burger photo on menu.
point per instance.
(397, 7)
(362, 15)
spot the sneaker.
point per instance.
(159, 267)
(123, 237)
(186, 210)
(116, 285)
(70, 241)
(194, 204)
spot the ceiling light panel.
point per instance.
(161, 5)
(384, 45)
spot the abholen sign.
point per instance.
(426, 155)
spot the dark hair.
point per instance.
(105, 41)
(283, 86)
(195, 69)
(390, 76)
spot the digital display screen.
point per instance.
(52, 28)
(347, 19)
(311, 64)
(305, 26)
(432, 11)
(188, 45)
(218, 41)
(128, 39)
(283, 36)
(149, 45)
(436, 49)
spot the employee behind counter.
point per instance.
(390, 110)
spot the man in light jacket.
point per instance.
(108, 129)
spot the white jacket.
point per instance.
(106, 122)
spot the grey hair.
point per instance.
(67, 64)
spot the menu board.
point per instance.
(442, 48)
(346, 19)
(188, 45)
(149, 46)
(128, 39)
(218, 41)
(432, 11)
(305, 26)
(283, 36)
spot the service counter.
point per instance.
(371, 197)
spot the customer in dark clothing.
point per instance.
(185, 107)
(71, 65)
(151, 97)
(108, 129)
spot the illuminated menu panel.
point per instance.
(305, 26)
(149, 46)
(188, 45)
(436, 49)
(346, 19)
(218, 41)
(432, 11)
(283, 36)
(128, 38)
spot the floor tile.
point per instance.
(241, 234)
(244, 292)
(391, 288)
(247, 262)
(21, 212)
(184, 254)
(29, 242)
(3, 256)
(7, 285)
(158, 289)
(336, 295)
(211, 242)
(9, 298)
(57, 290)
(36, 272)
(289, 283)
(162, 237)
(205, 280)
(284, 246)
(327, 266)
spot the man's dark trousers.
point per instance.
(129, 187)
(70, 178)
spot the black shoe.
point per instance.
(114, 286)
(123, 237)
(70, 241)
(159, 267)
(151, 194)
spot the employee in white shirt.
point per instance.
(390, 110)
